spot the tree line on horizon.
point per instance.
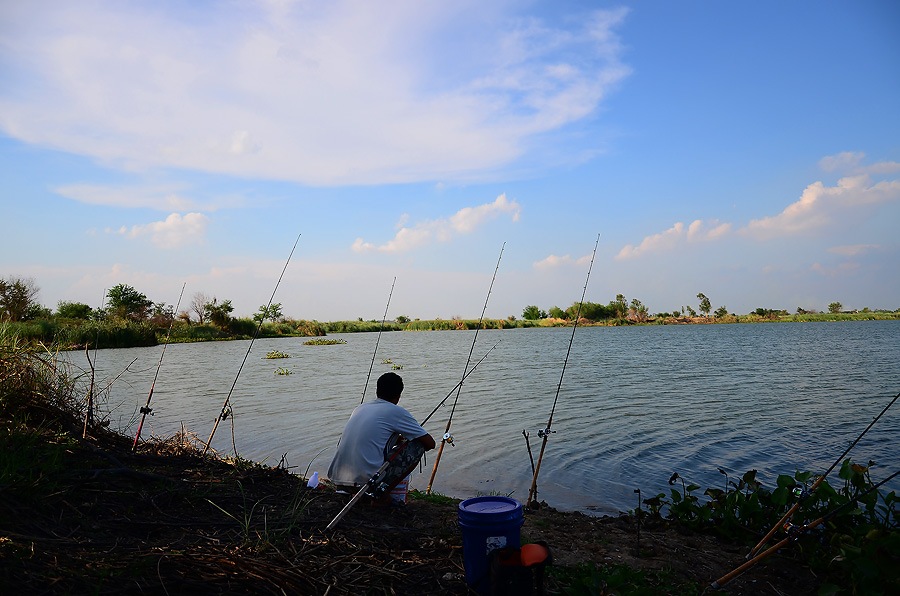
(636, 311)
(19, 303)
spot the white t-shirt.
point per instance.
(361, 449)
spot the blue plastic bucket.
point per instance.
(487, 523)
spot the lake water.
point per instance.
(635, 404)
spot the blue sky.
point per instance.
(746, 150)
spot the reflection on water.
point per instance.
(635, 404)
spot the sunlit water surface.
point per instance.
(635, 403)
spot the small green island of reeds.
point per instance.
(323, 342)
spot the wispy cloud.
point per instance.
(464, 221)
(169, 197)
(274, 90)
(850, 162)
(854, 250)
(697, 231)
(834, 270)
(174, 232)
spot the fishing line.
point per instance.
(816, 484)
(471, 370)
(448, 438)
(147, 409)
(383, 319)
(226, 408)
(545, 433)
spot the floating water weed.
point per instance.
(276, 354)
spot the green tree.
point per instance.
(691, 311)
(721, 311)
(591, 311)
(18, 299)
(272, 312)
(557, 313)
(619, 306)
(402, 319)
(163, 314)
(219, 314)
(705, 305)
(533, 313)
(125, 302)
(73, 310)
(835, 307)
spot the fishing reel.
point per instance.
(145, 410)
(448, 438)
(226, 412)
(800, 492)
(545, 432)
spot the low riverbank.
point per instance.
(97, 518)
(81, 513)
(81, 335)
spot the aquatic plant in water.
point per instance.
(276, 354)
(324, 342)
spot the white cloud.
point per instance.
(554, 262)
(697, 231)
(850, 162)
(464, 221)
(663, 241)
(700, 231)
(820, 205)
(279, 91)
(175, 231)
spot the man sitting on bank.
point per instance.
(364, 443)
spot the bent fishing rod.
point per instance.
(383, 319)
(226, 409)
(793, 534)
(545, 432)
(147, 409)
(804, 494)
(448, 438)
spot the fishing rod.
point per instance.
(806, 493)
(448, 438)
(544, 433)
(147, 409)
(226, 409)
(793, 534)
(89, 412)
(383, 319)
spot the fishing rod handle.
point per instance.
(437, 460)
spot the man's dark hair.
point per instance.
(389, 386)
